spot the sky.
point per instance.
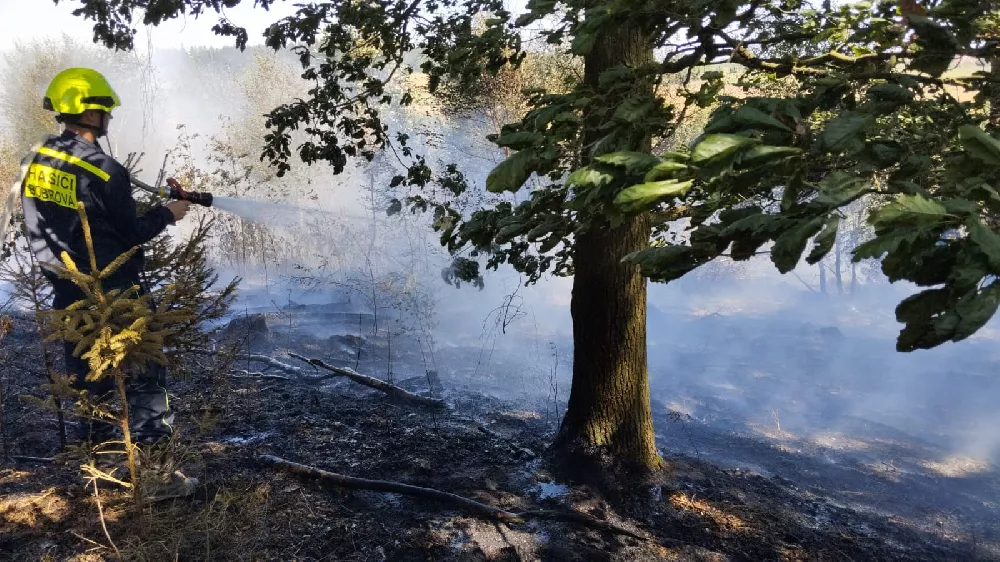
(20, 22)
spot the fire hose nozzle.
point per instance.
(174, 190)
(196, 197)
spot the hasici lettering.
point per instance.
(49, 184)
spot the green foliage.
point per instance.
(181, 273)
(118, 332)
(980, 145)
(118, 329)
(511, 174)
(646, 194)
(868, 111)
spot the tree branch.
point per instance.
(683, 63)
(262, 359)
(481, 509)
(670, 215)
(371, 382)
(244, 374)
(22, 458)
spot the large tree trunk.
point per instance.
(995, 99)
(609, 416)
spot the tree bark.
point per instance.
(995, 100)
(609, 417)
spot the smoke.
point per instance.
(737, 347)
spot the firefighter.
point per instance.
(72, 167)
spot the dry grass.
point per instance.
(13, 476)
(957, 466)
(521, 414)
(32, 509)
(707, 511)
(227, 527)
(840, 442)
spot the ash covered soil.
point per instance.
(795, 505)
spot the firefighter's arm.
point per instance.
(122, 212)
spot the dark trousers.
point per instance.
(150, 415)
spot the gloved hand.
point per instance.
(178, 208)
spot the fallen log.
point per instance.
(477, 508)
(371, 382)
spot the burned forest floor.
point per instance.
(482, 447)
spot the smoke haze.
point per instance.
(746, 353)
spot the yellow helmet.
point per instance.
(76, 90)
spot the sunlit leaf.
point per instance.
(633, 162)
(747, 115)
(980, 145)
(645, 194)
(763, 154)
(885, 243)
(589, 177)
(511, 174)
(665, 170)
(912, 209)
(717, 147)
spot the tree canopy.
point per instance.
(875, 114)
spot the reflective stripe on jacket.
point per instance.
(67, 169)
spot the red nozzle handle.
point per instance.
(178, 192)
(175, 186)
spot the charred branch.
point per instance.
(469, 505)
(244, 374)
(371, 382)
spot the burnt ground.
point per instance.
(701, 508)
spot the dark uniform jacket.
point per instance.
(67, 169)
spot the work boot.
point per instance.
(160, 486)
(161, 479)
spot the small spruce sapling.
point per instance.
(117, 332)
